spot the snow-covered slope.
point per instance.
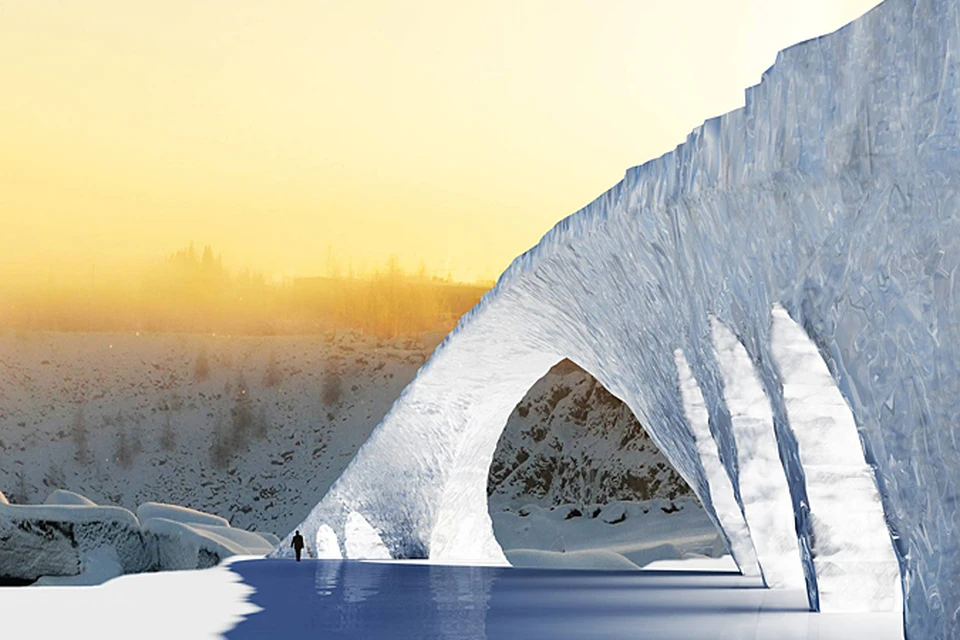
(631, 534)
(568, 441)
(126, 419)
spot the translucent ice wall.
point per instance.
(833, 193)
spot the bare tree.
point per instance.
(79, 434)
(22, 496)
(241, 415)
(123, 454)
(272, 376)
(219, 447)
(136, 442)
(55, 478)
(201, 368)
(168, 438)
(260, 423)
(332, 386)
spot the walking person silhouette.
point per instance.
(297, 544)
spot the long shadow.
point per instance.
(348, 599)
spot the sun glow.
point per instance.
(453, 134)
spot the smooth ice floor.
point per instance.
(370, 600)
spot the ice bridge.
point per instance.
(776, 300)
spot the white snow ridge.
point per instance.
(832, 193)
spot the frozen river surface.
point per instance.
(335, 599)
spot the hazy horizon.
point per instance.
(446, 134)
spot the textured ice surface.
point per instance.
(833, 192)
(764, 492)
(727, 511)
(327, 546)
(362, 540)
(855, 563)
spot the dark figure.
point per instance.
(297, 544)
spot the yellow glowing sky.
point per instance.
(454, 133)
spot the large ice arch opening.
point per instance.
(833, 193)
(572, 463)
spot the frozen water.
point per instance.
(393, 601)
(834, 193)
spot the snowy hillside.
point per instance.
(570, 441)
(256, 429)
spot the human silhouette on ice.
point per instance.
(297, 544)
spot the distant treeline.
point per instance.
(192, 292)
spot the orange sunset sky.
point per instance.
(449, 133)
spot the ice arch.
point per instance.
(833, 192)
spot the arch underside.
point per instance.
(749, 453)
(786, 279)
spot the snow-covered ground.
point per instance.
(175, 604)
(619, 535)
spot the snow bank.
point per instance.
(151, 606)
(191, 545)
(58, 540)
(587, 560)
(84, 544)
(271, 538)
(62, 497)
(149, 510)
(640, 532)
(725, 564)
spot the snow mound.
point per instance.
(62, 497)
(83, 544)
(185, 545)
(724, 564)
(66, 540)
(586, 560)
(271, 538)
(150, 510)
